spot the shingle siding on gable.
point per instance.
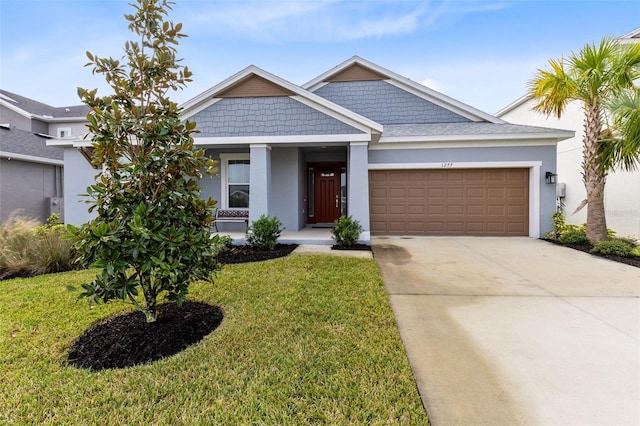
(386, 104)
(267, 116)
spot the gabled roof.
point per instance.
(33, 109)
(417, 89)
(254, 74)
(20, 144)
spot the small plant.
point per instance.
(221, 243)
(574, 235)
(263, 233)
(346, 232)
(616, 246)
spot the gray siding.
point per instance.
(8, 116)
(386, 104)
(25, 186)
(545, 154)
(268, 116)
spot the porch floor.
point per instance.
(306, 236)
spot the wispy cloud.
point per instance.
(327, 20)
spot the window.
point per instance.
(64, 132)
(235, 180)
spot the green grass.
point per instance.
(305, 340)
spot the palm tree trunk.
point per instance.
(593, 175)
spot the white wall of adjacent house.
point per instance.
(622, 191)
(71, 129)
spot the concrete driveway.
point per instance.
(505, 331)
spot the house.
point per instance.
(31, 176)
(622, 191)
(364, 141)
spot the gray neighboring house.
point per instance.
(364, 141)
(31, 173)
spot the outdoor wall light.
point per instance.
(550, 178)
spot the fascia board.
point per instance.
(30, 158)
(513, 105)
(279, 140)
(550, 137)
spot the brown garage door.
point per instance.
(449, 202)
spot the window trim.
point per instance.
(224, 175)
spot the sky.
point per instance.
(480, 52)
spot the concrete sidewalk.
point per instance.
(505, 331)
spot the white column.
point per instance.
(358, 186)
(260, 181)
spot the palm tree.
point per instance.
(623, 148)
(594, 76)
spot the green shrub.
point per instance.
(346, 232)
(574, 235)
(615, 246)
(221, 243)
(263, 233)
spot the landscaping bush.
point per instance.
(574, 235)
(346, 232)
(221, 243)
(616, 246)
(28, 249)
(263, 233)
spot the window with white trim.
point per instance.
(64, 132)
(235, 180)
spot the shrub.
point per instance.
(263, 233)
(29, 249)
(221, 243)
(346, 232)
(574, 235)
(616, 246)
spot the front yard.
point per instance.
(304, 340)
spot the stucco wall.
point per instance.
(622, 191)
(78, 175)
(25, 186)
(546, 154)
(8, 116)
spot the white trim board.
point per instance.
(30, 158)
(534, 180)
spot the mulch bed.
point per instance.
(633, 261)
(243, 254)
(357, 247)
(128, 340)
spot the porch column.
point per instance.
(358, 186)
(260, 181)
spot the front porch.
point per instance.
(305, 236)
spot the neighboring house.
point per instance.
(622, 191)
(364, 141)
(31, 177)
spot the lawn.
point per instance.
(304, 340)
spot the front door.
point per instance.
(326, 193)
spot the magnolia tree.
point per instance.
(151, 234)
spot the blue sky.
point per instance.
(479, 52)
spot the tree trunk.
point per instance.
(150, 310)
(593, 175)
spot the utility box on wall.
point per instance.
(56, 205)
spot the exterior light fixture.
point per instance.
(550, 178)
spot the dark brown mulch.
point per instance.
(360, 247)
(633, 261)
(128, 340)
(243, 254)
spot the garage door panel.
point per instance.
(450, 202)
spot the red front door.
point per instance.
(324, 192)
